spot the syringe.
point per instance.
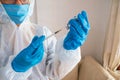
(67, 27)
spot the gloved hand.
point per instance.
(77, 35)
(29, 56)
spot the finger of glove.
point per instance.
(75, 43)
(76, 27)
(38, 56)
(38, 51)
(31, 47)
(70, 43)
(77, 39)
(84, 13)
(35, 38)
(38, 41)
(34, 56)
(67, 43)
(83, 22)
(80, 41)
(41, 39)
(67, 40)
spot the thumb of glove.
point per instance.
(37, 41)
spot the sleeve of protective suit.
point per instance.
(7, 73)
(60, 61)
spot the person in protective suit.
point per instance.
(24, 52)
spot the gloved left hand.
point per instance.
(29, 56)
(79, 28)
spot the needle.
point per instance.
(53, 34)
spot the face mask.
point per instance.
(17, 13)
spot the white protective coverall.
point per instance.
(56, 63)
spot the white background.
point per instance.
(56, 13)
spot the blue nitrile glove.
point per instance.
(79, 28)
(29, 56)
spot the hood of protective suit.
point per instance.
(4, 18)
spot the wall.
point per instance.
(56, 13)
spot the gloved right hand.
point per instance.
(29, 56)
